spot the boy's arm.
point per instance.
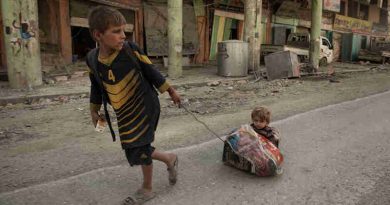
(95, 99)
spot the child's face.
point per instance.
(111, 39)
(259, 124)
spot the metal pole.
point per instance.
(315, 33)
(175, 35)
(21, 39)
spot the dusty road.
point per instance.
(50, 141)
(338, 154)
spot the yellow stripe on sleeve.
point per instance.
(164, 87)
(143, 58)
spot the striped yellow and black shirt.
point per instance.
(131, 93)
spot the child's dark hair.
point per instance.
(101, 17)
(262, 114)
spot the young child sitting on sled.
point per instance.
(254, 147)
(261, 118)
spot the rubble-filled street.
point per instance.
(53, 139)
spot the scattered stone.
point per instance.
(334, 80)
(37, 107)
(230, 88)
(228, 83)
(31, 101)
(185, 101)
(241, 82)
(364, 63)
(78, 74)
(61, 78)
(44, 101)
(63, 99)
(186, 86)
(215, 83)
(48, 81)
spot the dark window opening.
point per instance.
(342, 8)
(288, 32)
(352, 9)
(82, 43)
(234, 30)
(383, 17)
(234, 34)
(363, 42)
(363, 13)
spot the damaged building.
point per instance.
(355, 28)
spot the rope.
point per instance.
(201, 122)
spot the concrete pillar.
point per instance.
(315, 33)
(175, 36)
(388, 17)
(258, 37)
(21, 39)
(249, 31)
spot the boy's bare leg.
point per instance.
(147, 171)
(168, 158)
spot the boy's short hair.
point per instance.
(101, 17)
(262, 113)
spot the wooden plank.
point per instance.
(199, 8)
(65, 33)
(221, 28)
(80, 22)
(207, 34)
(3, 63)
(83, 22)
(229, 14)
(228, 29)
(214, 40)
(122, 5)
(201, 26)
(219, 25)
(240, 30)
(136, 28)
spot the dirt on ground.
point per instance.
(53, 139)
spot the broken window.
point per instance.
(82, 42)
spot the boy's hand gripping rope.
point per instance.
(201, 122)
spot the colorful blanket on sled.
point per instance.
(249, 151)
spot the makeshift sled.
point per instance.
(249, 151)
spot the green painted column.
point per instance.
(175, 36)
(315, 33)
(21, 42)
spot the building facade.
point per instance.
(351, 25)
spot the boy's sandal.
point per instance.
(139, 198)
(130, 200)
(173, 172)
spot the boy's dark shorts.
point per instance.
(140, 155)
